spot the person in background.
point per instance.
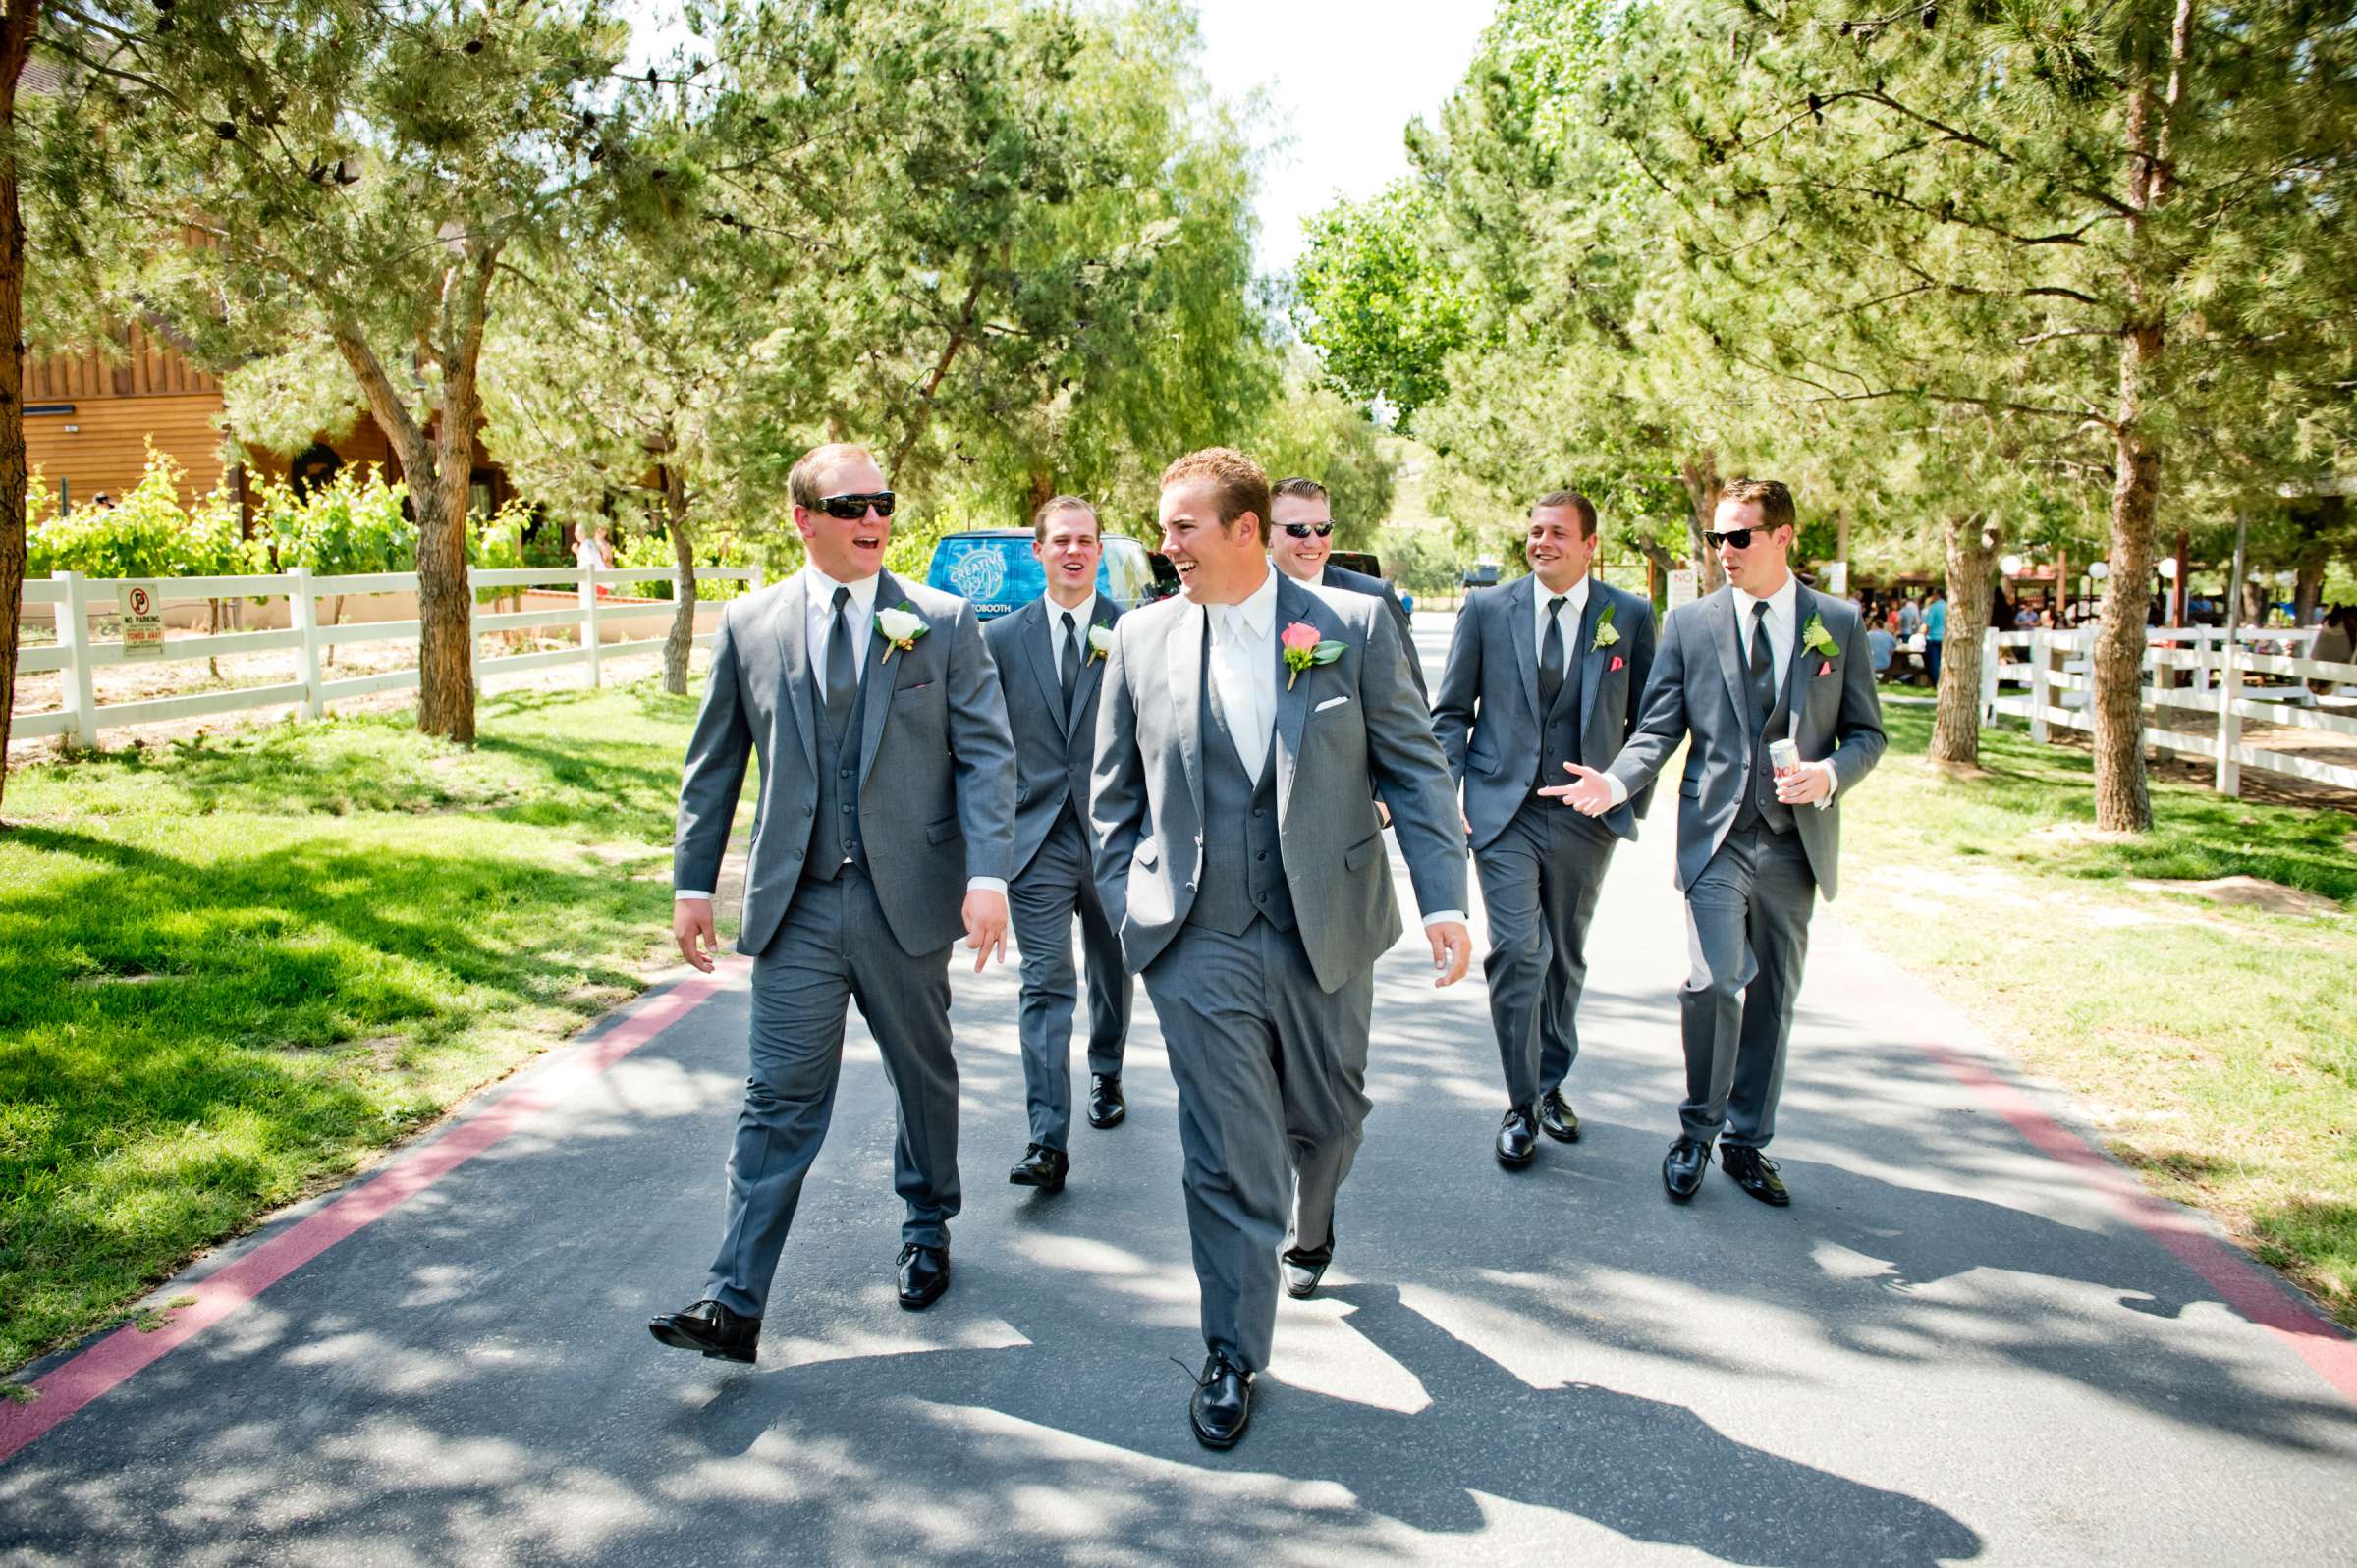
(593, 553)
(2333, 644)
(1881, 647)
(1910, 618)
(1934, 633)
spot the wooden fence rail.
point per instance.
(77, 655)
(2047, 678)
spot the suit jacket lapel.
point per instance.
(1724, 635)
(1092, 669)
(1521, 622)
(1039, 647)
(1591, 657)
(1796, 684)
(1294, 603)
(1186, 674)
(880, 677)
(791, 623)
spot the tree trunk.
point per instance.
(1700, 472)
(2122, 803)
(15, 47)
(1956, 727)
(682, 640)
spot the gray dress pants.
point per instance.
(1272, 1073)
(1747, 936)
(1040, 903)
(1539, 880)
(832, 948)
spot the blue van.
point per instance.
(995, 570)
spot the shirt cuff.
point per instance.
(1832, 781)
(997, 885)
(1445, 917)
(689, 893)
(1620, 791)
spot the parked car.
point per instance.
(995, 570)
(1367, 563)
(1483, 573)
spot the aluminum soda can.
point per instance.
(1783, 756)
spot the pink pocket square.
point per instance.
(1618, 662)
(1825, 667)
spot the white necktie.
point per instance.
(1240, 693)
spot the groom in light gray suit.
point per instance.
(1544, 670)
(1762, 659)
(1240, 858)
(886, 789)
(1051, 670)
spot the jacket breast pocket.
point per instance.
(1481, 761)
(942, 831)
(918, 693)
(1366, 849)
(1690, 787)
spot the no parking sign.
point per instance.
(143, 620)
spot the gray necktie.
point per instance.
(1071, 662)
(843, 673)
(1763, 662)
(1550, 655)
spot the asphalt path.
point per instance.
(1967, 1341)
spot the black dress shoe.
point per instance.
(1303, 1268)
(1043, 1168)
(1682, 1168)
(710, 1327)
(924, 1275)
(1556, 1119)
(1106, 1107)
(1755, 1173)
(1221, 1407)
(1517, 1138)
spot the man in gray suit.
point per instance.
(1542, 672)
(1242, 736)
(1763, 660)
(886, 787)
(1051, 664)
(1301, 544)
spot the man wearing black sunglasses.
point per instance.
(1301, 545)
(886, 789)
(1763, 661)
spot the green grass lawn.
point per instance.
(234, 968)
(2215, 1047)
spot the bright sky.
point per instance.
(1343, 77)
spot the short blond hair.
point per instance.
(802, 483)
(1238, 484)
(1056, 507)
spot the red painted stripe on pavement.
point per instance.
(126, 1350)
(2232, 1274)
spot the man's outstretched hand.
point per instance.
(691, 929)
(1452, 950)
(1588, 791)
(985, 915)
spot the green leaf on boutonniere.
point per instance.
(1606, 632)
(1818, 640)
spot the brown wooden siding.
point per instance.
(103, 444)
(151, 368)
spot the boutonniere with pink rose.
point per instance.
(1303, 648)
(1821, 642)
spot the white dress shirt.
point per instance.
(1783, 608)
(1575, 604)
(818, 624)
(1082, 613)
(1243, 662)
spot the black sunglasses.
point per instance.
(851, 508)
(1302, 530)
(1740, 538)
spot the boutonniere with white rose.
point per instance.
(1099, 642)
(1302, 649)
(900, 627)
(1606, 632)
(1820, 641)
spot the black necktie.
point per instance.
(1071, 662)
(1763, 663)
(843, 673)
(1550, 655)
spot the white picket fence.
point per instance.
(2047, 679)
(78, 654)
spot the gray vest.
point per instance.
(1759, 806)
(1243, 865)
(836, 838)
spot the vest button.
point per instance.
(1263, 855)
